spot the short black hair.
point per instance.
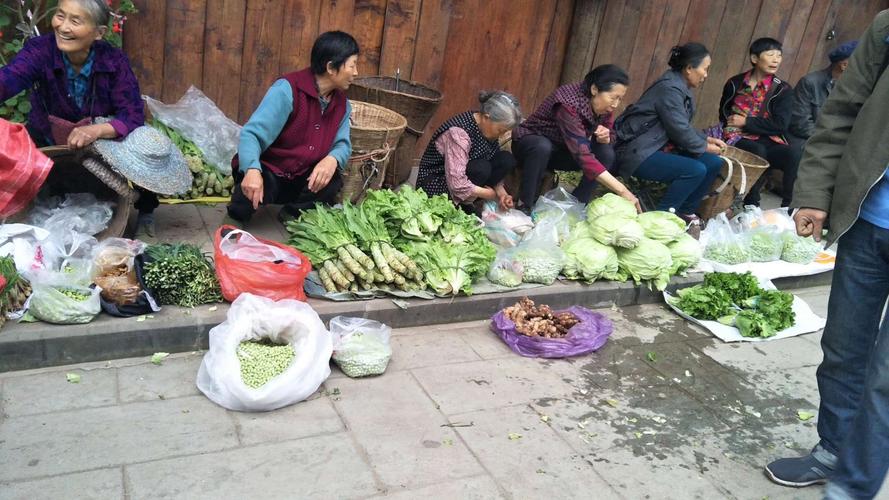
(604, 77)
(766, 44)
(333, 47)
(691, 54)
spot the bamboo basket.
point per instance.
(416, 102)
(741, 171)
(374, 131)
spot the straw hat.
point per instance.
(149, 159)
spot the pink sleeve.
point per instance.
(454, 145)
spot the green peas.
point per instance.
(262, 361)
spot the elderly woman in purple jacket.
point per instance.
(75, 77)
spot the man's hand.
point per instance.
(810, 222)
(322, 173)
(252, 186)
(603, 135)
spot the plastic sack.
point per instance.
(24, 243)
(23, 168)
(540, 260)
(200, 121)
(246, 264)
(505, 270)
(62, 298)
(145, 302)
(505, 228)
(722, 244)
(587, 336)
(251, 317)
(800, 250)
(360, 346)
(114, 270)
(561, 208)
(764, 243)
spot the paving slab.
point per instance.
(102, 437)
(102, 484)
(526, 456)
(49, 392)
(310, 418)
(316, 467)
(473, 488)
(173, 378)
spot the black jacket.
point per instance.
(778, 102)
(809, 95)
(663, 114)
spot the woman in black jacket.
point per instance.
(755, 111)
(656, 141)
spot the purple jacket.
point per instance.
(114, 91)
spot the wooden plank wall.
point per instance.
(233, 49)
(726, 27)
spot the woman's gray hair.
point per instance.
(501, 107)
(98, 11)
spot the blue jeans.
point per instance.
(853, 379)
(689, 178)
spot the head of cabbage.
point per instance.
(587, 259)
(661, 226)
(610, 204)
(616, 230)
(648, 261)
(686, 252)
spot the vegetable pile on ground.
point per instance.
(401, 240)
(758, 236)
(539, 321)
(14, 289)
(737, 300)
(261, 361)
(181, 274)
(208, 181)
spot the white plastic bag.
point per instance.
(283, 322)
(53, 297)
(506, 270)
(722, 244)
(114, 270)
(360, 346)
(248, 248)
(505, 228)
(200, 121)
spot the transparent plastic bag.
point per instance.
(722, 244)
(200, 121)
(61, 297)
(505, 228)
(361, 346)
(540, 261)
(561, 208)
(114, 269)
(764, 243)
(800, 250)
(252, 318)
(505, 270)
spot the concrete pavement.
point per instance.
(457, 415)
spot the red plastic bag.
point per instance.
(245, 263)
(23, 168)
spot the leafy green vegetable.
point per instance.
(799, 250)
(610, 204)
(661, 226)
(804, 415)
(450, 268)
(776, 306)
(181, 274)
(616, 230)
(649, 260)
(586, 258)
(686, 252)
(739, 287)
(704, 302)
(409, 211)
(754, 324)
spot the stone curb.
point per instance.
(37, 345)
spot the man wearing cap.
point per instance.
(296, 143)
(813, 89)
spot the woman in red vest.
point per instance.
(296, 144)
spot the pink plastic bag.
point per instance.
(23, 168)
(583, 338)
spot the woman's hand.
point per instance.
(738, 120)
(322, 173)
(252, 186)
(504, 199)
(602, 134)
(82, 137)
(485, 193)
(629, 196)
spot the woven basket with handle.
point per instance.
(741, 171)
(374, 131)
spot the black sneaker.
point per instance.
(814, 468)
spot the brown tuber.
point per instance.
(539, 321)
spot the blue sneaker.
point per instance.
(814, 468)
